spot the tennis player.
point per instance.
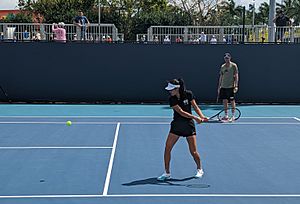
(228, 85)
(182, 101)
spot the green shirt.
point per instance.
(227, 74)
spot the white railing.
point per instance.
(219, 34)
(33, 31)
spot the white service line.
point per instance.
(152, 195)
(111, 161)
(24, 148)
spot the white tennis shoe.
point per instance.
(199, 173)
(164, 177)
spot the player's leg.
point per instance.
(192, 142)
(225, 104)
(171, 141)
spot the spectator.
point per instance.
(109, 39)
(213, 40)
(231, 39)
(167, 40)
(143, 38)
(1, 36)
(156, 39)
(37, 37)
(26, 35)
(75, 37)
(178, 39)
(196, 40)
(39, 27)
(82, 24)
(59, 31)
(224, 39)
(281, 21)
(202, 38)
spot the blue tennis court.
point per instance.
(114, 153)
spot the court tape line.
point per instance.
(152, 195)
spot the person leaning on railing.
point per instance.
(281, 21)
(82, 23)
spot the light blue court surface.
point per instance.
(113, 154)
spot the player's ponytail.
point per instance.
(182, 89)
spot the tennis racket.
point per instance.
(5, 94)
(221, 116)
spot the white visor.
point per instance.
(171, 87)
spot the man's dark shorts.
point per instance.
(226, 93)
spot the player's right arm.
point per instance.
(220, 81)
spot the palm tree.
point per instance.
(263, 14)
(291, 9)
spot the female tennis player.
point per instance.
(182, 101)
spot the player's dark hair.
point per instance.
(182, 89)
(174, 82)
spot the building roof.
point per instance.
(4, 13)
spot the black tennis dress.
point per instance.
(180, 125)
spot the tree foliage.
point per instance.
(136, 16)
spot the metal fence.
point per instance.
(33, 31)
(218, 34)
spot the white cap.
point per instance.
(171, 86)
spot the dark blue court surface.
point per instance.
(113, 154)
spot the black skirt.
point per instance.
(183, 128)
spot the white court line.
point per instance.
(153, 195)
(111, 161)
(51, 122)
(297, 119)
(76, 116)
(128, 117)
(24, 148)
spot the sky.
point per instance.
(12, 4)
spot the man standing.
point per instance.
(228, 85)
(281, 21)
(82, 23)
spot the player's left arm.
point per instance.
(236, 78)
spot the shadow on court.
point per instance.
(170, 182)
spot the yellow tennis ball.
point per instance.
(69, 123)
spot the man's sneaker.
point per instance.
(199, 173)
(225, 118)
(232, 119)
(164, 177)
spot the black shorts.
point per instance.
(226, 93)
(183, 128)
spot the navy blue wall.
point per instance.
(138, 72)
